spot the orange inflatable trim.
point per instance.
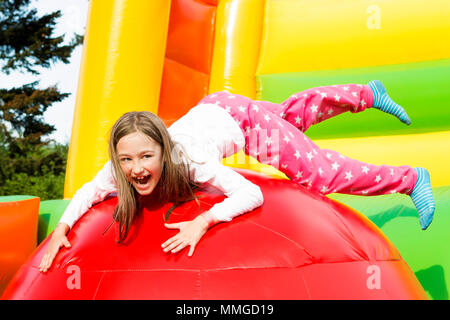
(187, 66)
(18, 235)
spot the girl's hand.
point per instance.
(190, 234)
(56, 242)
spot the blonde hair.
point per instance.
(174, 185)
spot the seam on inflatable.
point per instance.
(358, 250)
(198, 286)
(29, 287)
(238, 268)
(185, 65)
(98, 286)
(285, 237)
(306, 287)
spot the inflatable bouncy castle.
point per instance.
(164, 56)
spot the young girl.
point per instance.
(166, 165)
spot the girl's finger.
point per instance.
(173, 225)
(50, 259)
(191, 250)
(168, 242)
(180, 247)
(173, 245)
(43, 263)
(66, 243)
(47, 263)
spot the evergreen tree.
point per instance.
(28, 44)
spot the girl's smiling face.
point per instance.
(140, 158)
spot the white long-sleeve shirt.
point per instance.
(208, 134)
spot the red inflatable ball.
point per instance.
(298, 245)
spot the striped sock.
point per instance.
(422, 196)
(383, 102)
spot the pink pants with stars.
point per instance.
(274, 134)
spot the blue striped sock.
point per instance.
(383, 102)
(422, 196)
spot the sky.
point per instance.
(64, 76)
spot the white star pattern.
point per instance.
(319, 115)
(335, 166)
(348, 175)
(274, 159)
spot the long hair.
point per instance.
(174, 185)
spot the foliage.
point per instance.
(29, 164)
(41, 174)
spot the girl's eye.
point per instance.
(147, 156)
(125, 159)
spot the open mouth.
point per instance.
(142, 180)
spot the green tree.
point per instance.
(29, 164)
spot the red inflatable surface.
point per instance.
(298, 245)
